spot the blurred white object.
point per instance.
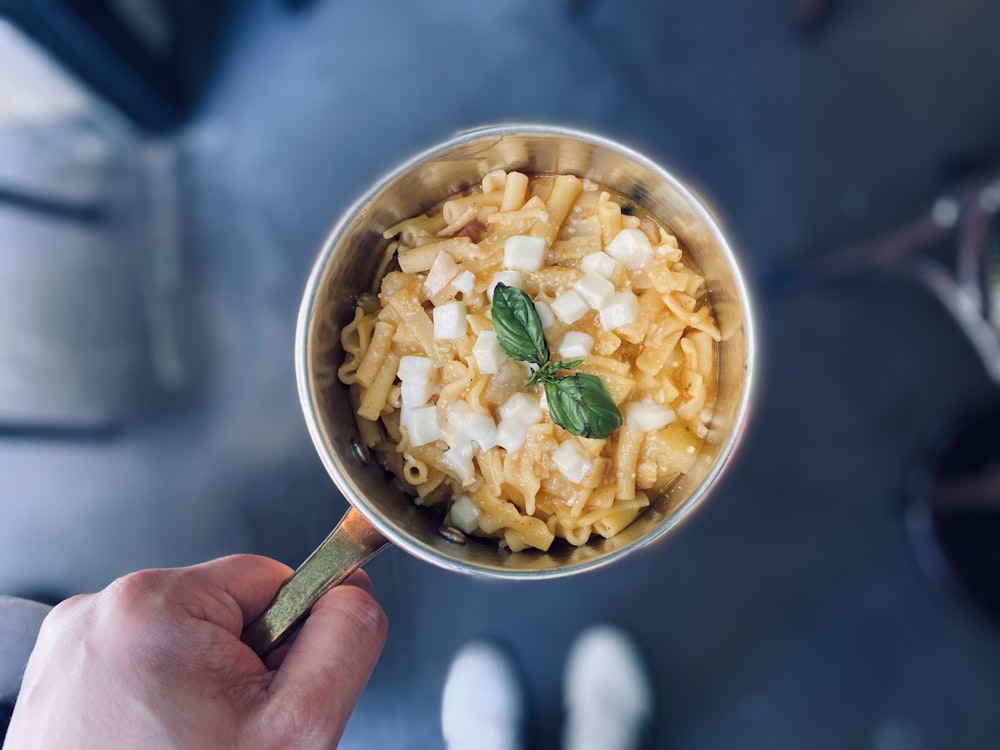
(482, 707)
(608, 692)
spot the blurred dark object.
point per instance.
(952, 249)
(813, 14)
(578, 8)
(953, 508)
(6, 710)
(20, 620)
(298, 5)
(150, 58)
(92, 279)
(958, 216)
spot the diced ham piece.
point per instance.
(442, 271)
(474, 230)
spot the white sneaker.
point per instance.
(608, 693)
(482, 707)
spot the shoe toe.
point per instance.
(608, 692)
(483, 705)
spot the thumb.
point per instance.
(327, 666)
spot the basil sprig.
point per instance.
(579, 403)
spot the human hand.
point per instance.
(155, 660)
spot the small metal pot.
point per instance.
(348, 265)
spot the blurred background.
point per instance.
(168, 170)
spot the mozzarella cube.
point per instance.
(416, 369)
(645, 416)
(480, 429)
(416, 392)
(465, 514)
(631, 247)
(522, 407)
(575, 345)
(600, 263)
(449, 321)
(464, 282)
(422, 425)
(620, 311)
(511, 434)
(524, 252)
(517, 413)
(453, 431)
(419, 377)
(595, 290)
(459, 460)
(466, 426)
(488, 353)
(572, 461)
(545, 316)
(569, 306)
(510, 278)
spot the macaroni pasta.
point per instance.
(447, 410)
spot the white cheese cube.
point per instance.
(645, 416)
(600, 263)
(457, 413)
(545, 316)
(464, 282)
(465, 514)
(416, 369)
(511, 434)
(510, 278)
(631, 247)
(480, 429)
(595, 290)
(572, 461)
(569, 306)
(416, 392)
(422, 425)
(453, 431)
(522, 407)
(575, 345)
(488, 353)
(449, 321)
(524, 252)
(459, 460)
(419, 376)
(622, 310)
(466, 426)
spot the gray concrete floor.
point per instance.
(788, 613)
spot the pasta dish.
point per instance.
(538, 360)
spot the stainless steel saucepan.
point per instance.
(348, 265)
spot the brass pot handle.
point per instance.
(349, 546)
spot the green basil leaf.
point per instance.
(518, 328)
(581, 404)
